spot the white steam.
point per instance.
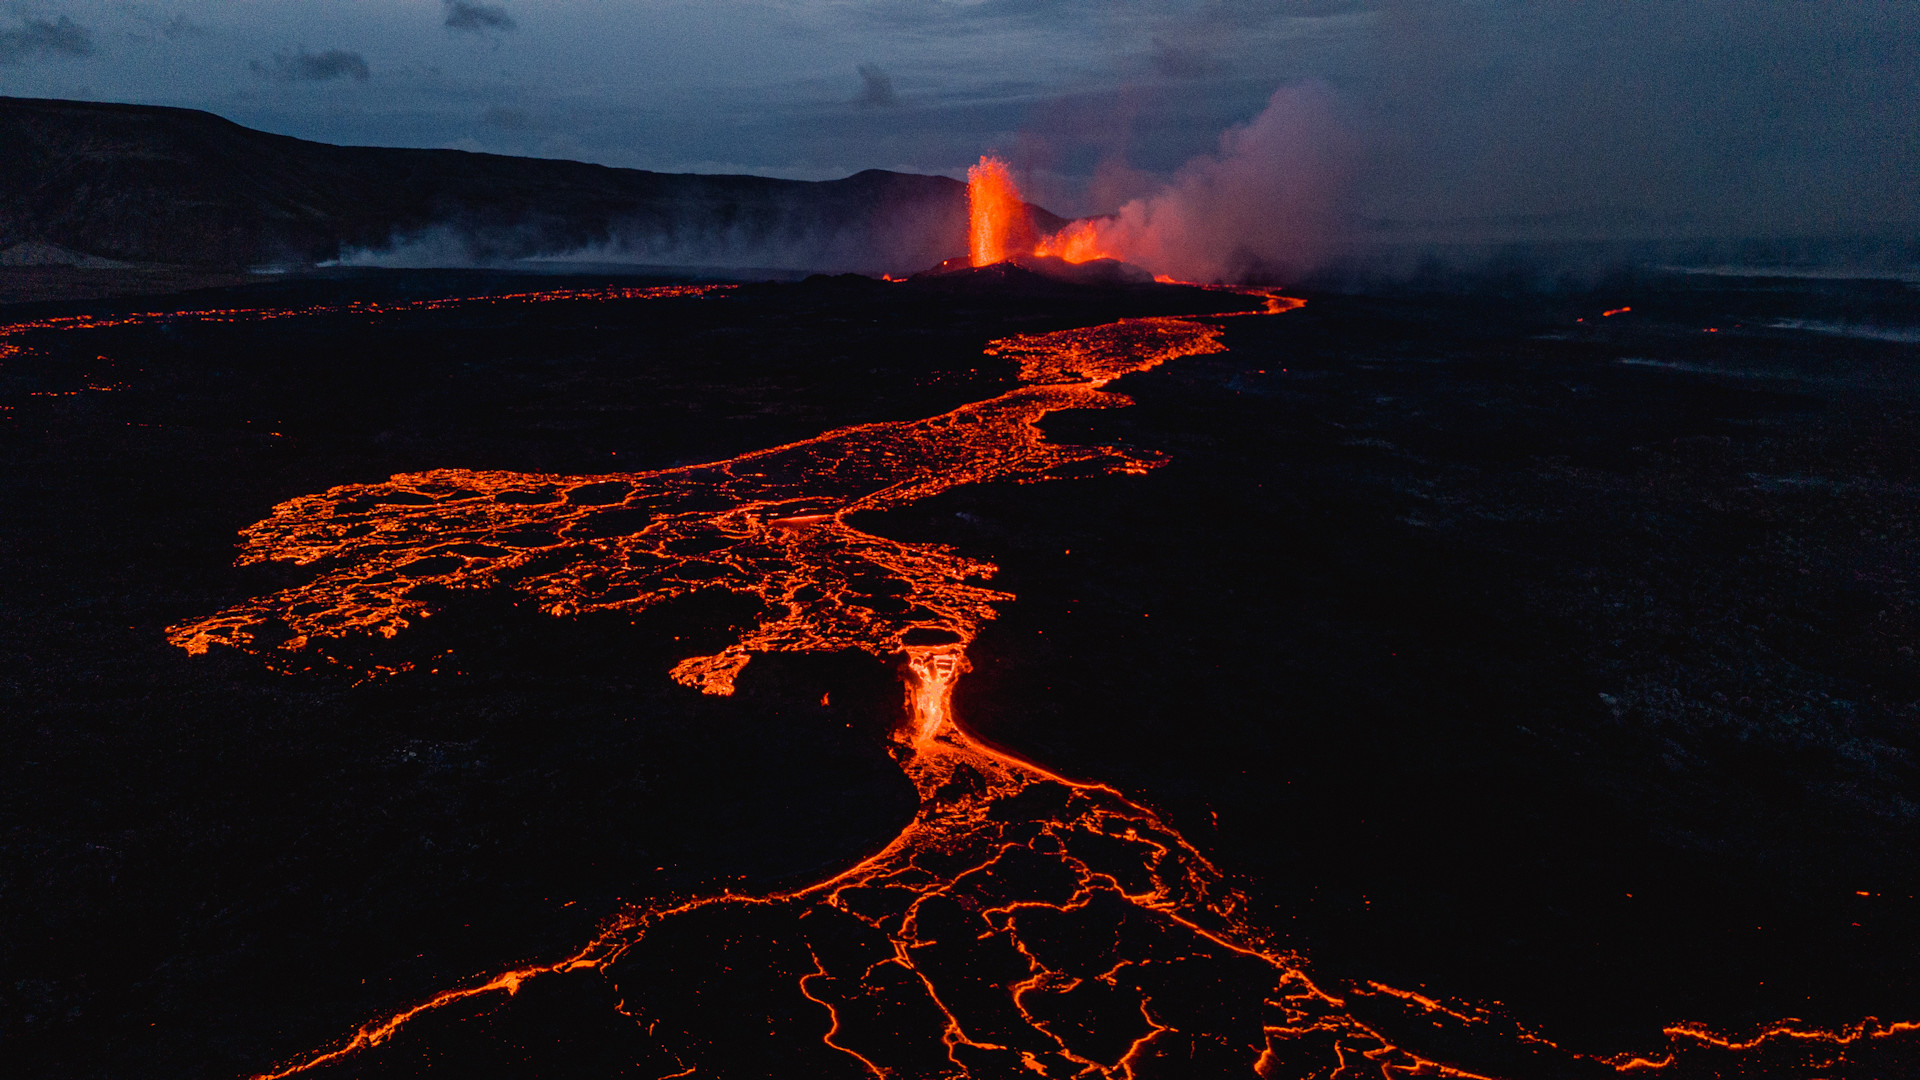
(1266, 204)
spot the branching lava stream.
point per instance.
(1023, 924)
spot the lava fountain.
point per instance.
(999, 226)
(1267, 201)
(997, 221)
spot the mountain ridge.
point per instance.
(158, 185)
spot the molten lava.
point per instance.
(997, 222)
(1079, 242)
(1022, 922)
(1000, 227)
(770, 524)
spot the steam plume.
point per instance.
(1265, 204)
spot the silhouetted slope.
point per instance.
(179, 186)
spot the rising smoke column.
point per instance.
(1267, 203)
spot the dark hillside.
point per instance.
(152, 185)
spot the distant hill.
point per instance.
(149, 185)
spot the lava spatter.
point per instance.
(1024, 923)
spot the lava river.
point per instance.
(1023, 924)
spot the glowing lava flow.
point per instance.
(770, 524)
(1023, 923)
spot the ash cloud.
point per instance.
(36, 39)
(304, 66)
(469, 17)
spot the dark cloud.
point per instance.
(38, 38)
(304, 66)
(876, 88)
(477, 18)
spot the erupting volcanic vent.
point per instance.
(1000, 227)
(1023, 923)
(996, 217)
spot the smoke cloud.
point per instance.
(304, 66)
(37, 38)
(1266, 204)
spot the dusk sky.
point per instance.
(1613, 119)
